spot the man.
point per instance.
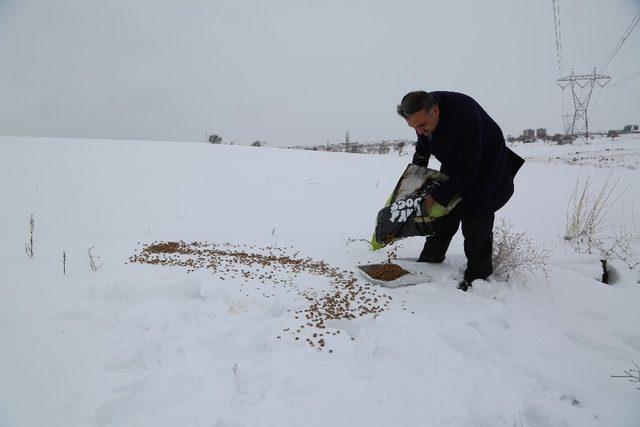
(470, 146)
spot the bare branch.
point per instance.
(368, 242)
(28, 247)
(633, 375)
(92, 260)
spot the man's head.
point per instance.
(420, 110)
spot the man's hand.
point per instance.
(428, 202)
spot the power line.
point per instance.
(618, 83)
(632, 76)
(616, 49)
(556, 22)
(558, 34)
(627, 32)
(582, 85)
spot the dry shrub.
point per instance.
(514, 253)
(618, 245)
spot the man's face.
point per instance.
(424, 122)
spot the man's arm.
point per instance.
(422, 154)
(469, 156)
(421, 158)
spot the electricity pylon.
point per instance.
(567, 122)
(581, 89)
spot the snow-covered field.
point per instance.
(603, 152)
(149, 345)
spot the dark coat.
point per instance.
(471, 149)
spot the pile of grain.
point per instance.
(346, 298)
(386, 272)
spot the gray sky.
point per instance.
(298, 71)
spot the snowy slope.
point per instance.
(137, 344)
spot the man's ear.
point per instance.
(436, 110)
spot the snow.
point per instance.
(624, 151)
(136, 344)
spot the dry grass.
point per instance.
(586, 213)
(588, 229)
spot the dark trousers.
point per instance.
(478, 241)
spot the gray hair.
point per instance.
(416, 101)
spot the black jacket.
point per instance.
(471, 148)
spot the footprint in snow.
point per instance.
(631, 340)
(593, 315)
(227, 422)
(182, 292)
(594, 346)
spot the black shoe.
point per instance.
(464, 285)
(430, 259)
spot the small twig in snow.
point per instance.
(28, 247)
(92, 260)
(633, 375)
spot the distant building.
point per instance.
(631, 129)
(541, 133)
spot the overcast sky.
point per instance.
(299, 71)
